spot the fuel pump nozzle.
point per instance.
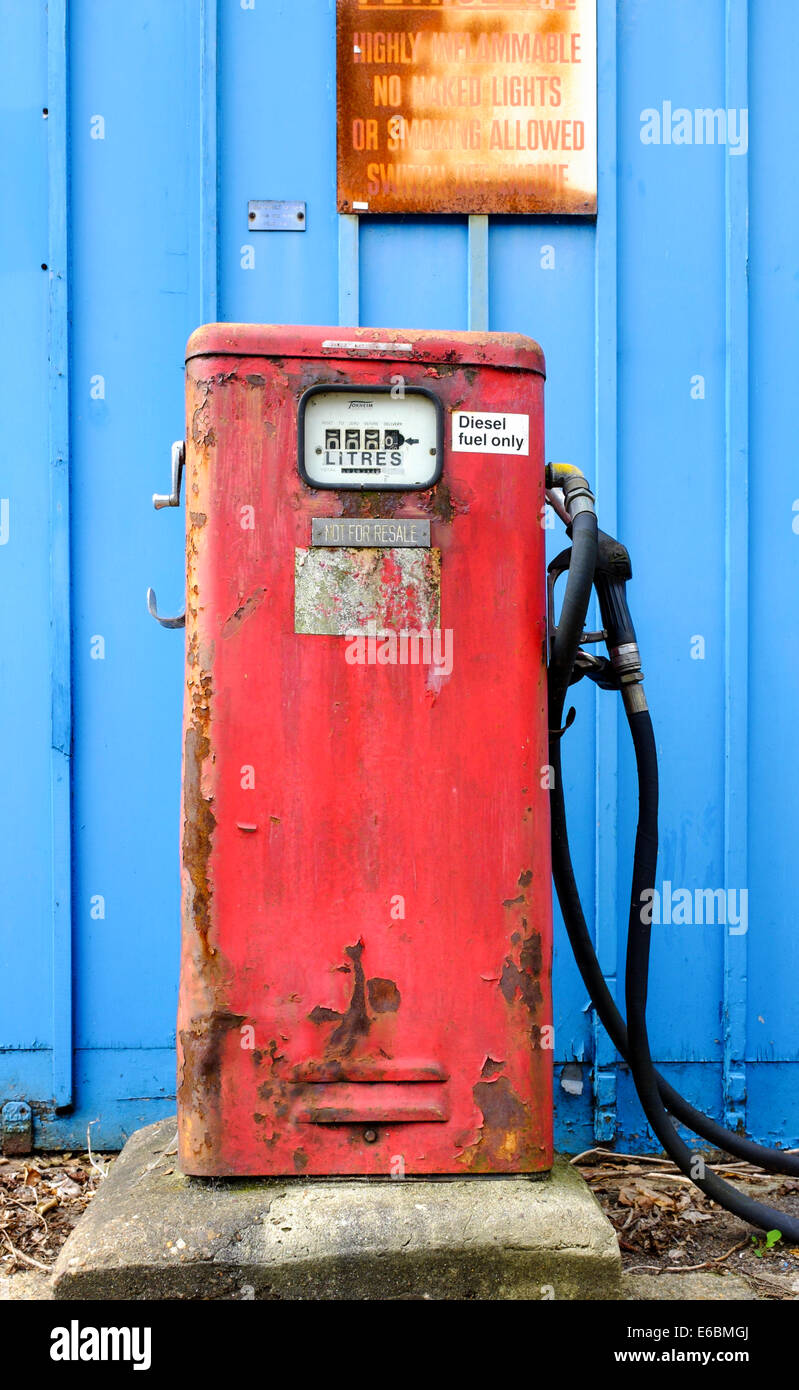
(621, 670)
(613, 569)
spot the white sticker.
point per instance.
(489, 432)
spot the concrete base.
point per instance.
(150, 1232)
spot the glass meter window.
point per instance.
(366, 437)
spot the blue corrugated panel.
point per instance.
(670, 327)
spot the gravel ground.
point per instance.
(666, 1226)
(42, 1197)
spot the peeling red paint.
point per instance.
(244, 610)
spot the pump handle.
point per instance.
(169, 499)
(613, 569)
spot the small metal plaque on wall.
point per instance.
(271, 215)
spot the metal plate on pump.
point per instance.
(381, 437)
(369, 531)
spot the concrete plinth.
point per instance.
(150, 1232)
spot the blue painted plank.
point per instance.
(604, 478)
(209, 169)
(671, 440)
(773, 551)
(277, 134)
(60, 619)
(26, 922)
(349, 308)
(136, 277)
(736, 611)
(414, 272)
(478, 310)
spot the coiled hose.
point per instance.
(657, 1097)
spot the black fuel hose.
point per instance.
(654, 1089)
(772, 1160)
(573, 612)
(637, 974)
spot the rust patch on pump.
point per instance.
(522, 978)
(199, 820)
(443, 504)
(322, 1015)
(243, 612)
(504, 1135)
(502, 1109)
(490, 1069)
(384, 997)
(276, 1092)
(522, 967)
(201, 431)
(199, 1084)
(355, 1022)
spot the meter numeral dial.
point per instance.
(358, 437)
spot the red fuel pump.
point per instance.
(371, 754)
(365, 982)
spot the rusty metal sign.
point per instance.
(466, 106)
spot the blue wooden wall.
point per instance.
(671, 329)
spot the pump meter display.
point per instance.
(369, 437)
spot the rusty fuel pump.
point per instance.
(365, 978)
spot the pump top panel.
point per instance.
(365, 984)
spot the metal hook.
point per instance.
(179, 621)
